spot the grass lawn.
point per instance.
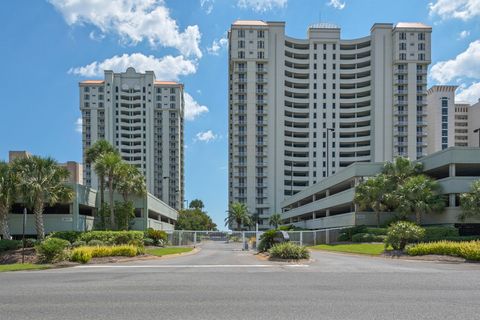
(19, 267)
(363, 248)
(166, 251)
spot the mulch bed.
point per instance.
(15, 256)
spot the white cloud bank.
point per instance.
(463, 34)
(337, 4)
(466, 64)
(261, 5)
(133, 20)
(470, 94)
(217, 46)
(455, 9)
(206, 136)
(192, 108)
(207, 5)
(165, 68)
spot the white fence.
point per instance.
(249, 239)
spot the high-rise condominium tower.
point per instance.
(300, 109)
(143, 119)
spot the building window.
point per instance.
(402, 36)
(241, 54)
(421, 36)
(421, 56)
(261, 34)
(402, 46)
(241, 33)
(260, 44)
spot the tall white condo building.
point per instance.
(143, 119)
(300, 109)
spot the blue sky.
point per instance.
(48, 46)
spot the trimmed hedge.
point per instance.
(85, 254)
(439, 233)
(402, 233)
(368, 237)
(70, 236)
(6, 245)
(377, 231)
(113, 237)
(289, 250)
(468, 250)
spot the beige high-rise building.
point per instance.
(300, 109)
(143, 118)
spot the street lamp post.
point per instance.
(478, 130)
(328, 149)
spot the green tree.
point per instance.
(194, 219)
(130, 181)
(239, 215)
(400, 169)
(275, 220)
(470, 202)
(374, 193)
(109, 165)
(92, 154)
(8, 190)
(419, 195)
(196, 204)
(41, 181)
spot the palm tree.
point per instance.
(470, 202)
(130, 181)
(275, 220)
(373, 193)
(41, 181)
(238, 214)
(108, 165)
(8, 190)
(421, 195)
(401, 169)
(196, 204)
(92, 154)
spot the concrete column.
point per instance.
(451, 170)
(327, 213)
(451, 199)
(314, 216)
(327, 236)
(327, 193)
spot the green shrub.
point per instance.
(82, 256)
(402, 233)
(6, 245)
(467, 250)
(289, 250)
(267, 240)
(347, 233)
(70, 236)
(159, 237)
(79, 243)
(439, 233)
(96, 243)
(52, 250)
(377, 231)
(148, 242)
(112, 237)
(30, 243)
(368, 237)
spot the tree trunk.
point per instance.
(418, 215)
(112, 211)
(4, 224)
(38, 211)
(102, 190)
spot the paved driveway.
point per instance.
(221, 282)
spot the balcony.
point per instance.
(261, 80)
(401, 71)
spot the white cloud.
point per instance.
(192, 108)
(469, 94)
(165, 68)
(133, 20)
(96, 36)
(466, 64)
(206, 136)
(463, 34)
(337, 4)
(458, 9)
(261, 5)
(78, 125)
(218, 45)
(207, 5)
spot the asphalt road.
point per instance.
(222, 282)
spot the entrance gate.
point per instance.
(237, 240)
